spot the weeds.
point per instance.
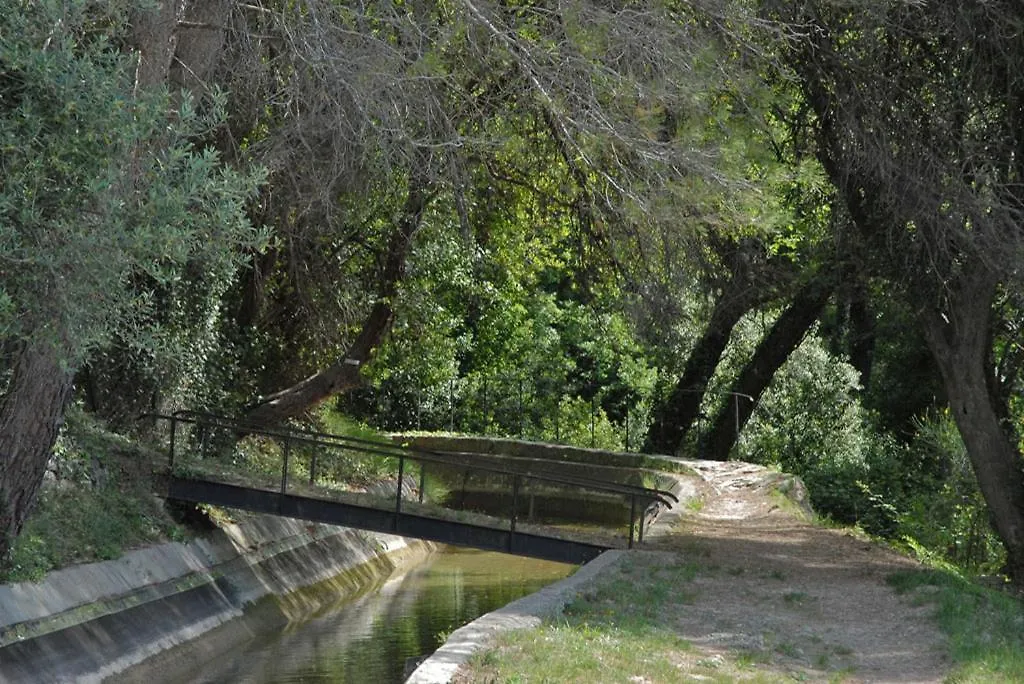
(985, 627)
(621, 628)
(95, 505)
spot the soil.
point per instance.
(813, 599)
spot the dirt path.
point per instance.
(812, 602)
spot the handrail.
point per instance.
(401, 452)
(327, 439)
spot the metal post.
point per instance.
(632, 518)
(593, 417)
(700, 435)
(312, 469)
(515, 505)
(451, 402)
(487, 422)
(204, 432)
(627, 429)
(520, 407)
(640, 530)
(736, 401)
(558, 418)
(398, 495)
(423, 479)
(284, 466)
(170, 450)
(465, 481)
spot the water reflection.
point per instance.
(369, 638)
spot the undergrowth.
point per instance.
(985, 627)
(94, 504)
(617, 630)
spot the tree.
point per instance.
(917, 113)
(101, 191)
(413, 91)
(785, 335)
(343, 374)
(775, 234)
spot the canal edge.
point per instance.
(523, 613)
(92, 621)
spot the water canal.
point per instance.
(370, 636)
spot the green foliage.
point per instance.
(540, 369)
(942, 508)
(810, 413)
(985, 627)
(582, 424)
(75, 524)
(497, 335)
(352, 466)
(809, 422)
(259, 459)
(105, 201)
(904, 381)
(95, 504)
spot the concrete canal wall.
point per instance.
(88, 622)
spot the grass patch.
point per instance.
(95, 504)
(985, 627)
(797, 599)
(783, 497)
(695, 504)
(74, 524)
(583, 653)
(619, 629)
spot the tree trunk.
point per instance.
(343, 374)
(771, 353)
(678, 414)
(31, 414)
(154, 34)
(201, 31)
(861, 334)
(958, 338)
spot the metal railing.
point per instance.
(524, 406)
(289, 437)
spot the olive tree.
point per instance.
(102, 198)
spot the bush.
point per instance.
(352, 466)
(810, 423)
(76, 524)
(945, 512)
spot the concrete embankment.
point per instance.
(528, 611)
(89, 622)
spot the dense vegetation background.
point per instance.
(783, 232)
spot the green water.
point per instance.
(369, 638)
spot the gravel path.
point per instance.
(813, 601)
(815, 598)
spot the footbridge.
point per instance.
(302, 474)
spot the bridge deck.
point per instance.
(384, 520)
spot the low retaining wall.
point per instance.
(527, 612)
(88, 622)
